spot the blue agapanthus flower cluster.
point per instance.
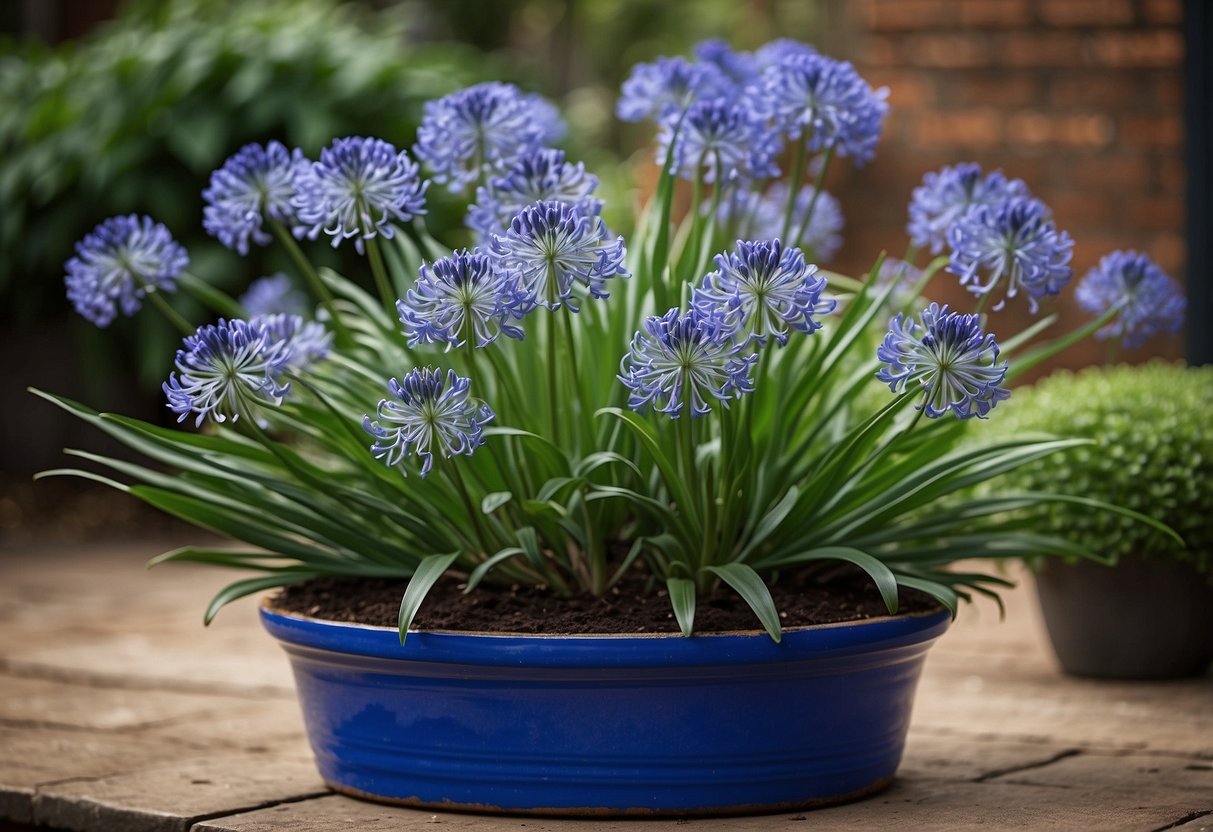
(469, 134)
(427, 414)
(460, 297)
(306, 342)
(1014, 244)
(120, 261)
(765, 291)
(228, 370)
(755, 215)
(667, 87)
(273, 294)
(720, 140)
(827, 102)
(255, 184)
(1150, 303)
(541, 175)
(357, 190)
(946, 195)
(741, 68)
(948, 357)
(552, 247)
(680, 360)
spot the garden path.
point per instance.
(119, 711)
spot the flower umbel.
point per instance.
(227, 370)
(427, 413)
(945, 195)
(948, 357)
(255, 183)
(459, 297)
(357, 190)
(551, 246)
(306, 341)
(1015, 242)
(680, 359)
(765, 291)
(469, 133)
(120, 261)
(828, 102)
(274, 294)
(536, 176)
(752, 215)
(725, 138)
(1150, 302)
(666, 87)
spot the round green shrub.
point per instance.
(1153, 452)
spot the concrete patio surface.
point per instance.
(119, 711)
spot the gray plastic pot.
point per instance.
(1140, 619)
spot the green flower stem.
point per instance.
(553, 380)
(311, 278)
(451, 468)
(709, 237)
(802, 152)
(808, 214)
(382, 284)
(575, 371)
(217, 301)
(1046, 351)
(911, 253)
(685, 427)
(506, 378)
(164, 308)
(981, 302)
(661, 242)
(469, 353)
(691, 254)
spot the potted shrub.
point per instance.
(569, 427)
(1151, 614)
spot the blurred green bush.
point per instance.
(135, 118)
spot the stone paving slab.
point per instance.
(118, 710)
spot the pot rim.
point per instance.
(605, 649)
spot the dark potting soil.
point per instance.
(632, 606)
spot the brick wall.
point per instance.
(1081, 98)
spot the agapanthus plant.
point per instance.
(698, 400)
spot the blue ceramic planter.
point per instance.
(608, 725)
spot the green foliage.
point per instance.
(139, 114)
(1152, 452)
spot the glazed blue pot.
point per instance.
(608, 725)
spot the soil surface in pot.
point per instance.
(632, 606)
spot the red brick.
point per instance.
(1043, 49)
(1121, 172)
(1153, 131)
(1000, 90)
(905, 15)
(877, 51)
(979, 128)
(1158, 47)
(1164, 12)
(1169, 90)
(1083, 210)
(906, 89)
(1158, 213)
(1170, 252)
(1034, 128)
(1172, 174)
(1095, 13)
(1097, 89)
(1003, 14)
(950, 51)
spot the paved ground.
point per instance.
(119, 711)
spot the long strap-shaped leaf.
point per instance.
(747, 583)
(427, 574)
